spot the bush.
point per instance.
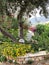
(3, 59)
(42, 38)
(11, 50)
(30, 61)
(10, 61)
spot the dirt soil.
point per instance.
(43, 62)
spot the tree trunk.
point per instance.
(7, 34)
(19, 17)
(2, 18)
(21, 30)
(20, 26)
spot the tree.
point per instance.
(7, 34)
(25, 7)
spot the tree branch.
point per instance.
(7, 34)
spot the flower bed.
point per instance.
(12, 51)
(16, 53)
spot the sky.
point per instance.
(40, 19)
(35, 19)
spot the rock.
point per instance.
(47, 62)
(40, 63)
(21, 40)
(37, 59)
(13, 61)
(41, 58)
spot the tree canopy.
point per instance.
(25, 5)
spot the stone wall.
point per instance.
(22, 60)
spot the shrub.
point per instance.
(30, 61)
(3, 59)
(10, 61)
(11, 50)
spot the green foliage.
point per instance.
(14, 23)
(3, 59)
(42, 37)
(35, 47)
(30, 61)
(24, 4)
(2, 6)
(14, 32)
(40, 29)
(10, 61)
(11, 50)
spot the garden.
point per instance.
(20, 41)
(10, 51)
